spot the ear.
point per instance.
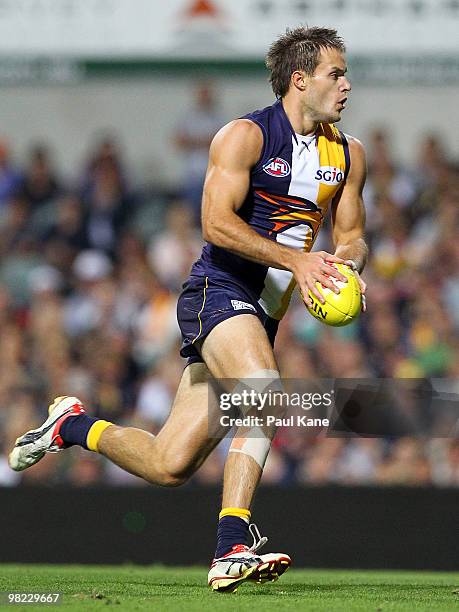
(299, 79)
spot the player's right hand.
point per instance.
(312, 268)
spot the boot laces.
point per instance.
(258, 541)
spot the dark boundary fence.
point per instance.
(390, 528)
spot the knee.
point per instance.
(170, 478)
(172, 472)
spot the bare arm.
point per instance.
(234, 151)
(348, 212)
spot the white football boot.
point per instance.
(33, 445)
(242, 563)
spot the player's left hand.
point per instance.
(362, 283)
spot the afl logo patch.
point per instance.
(277, 167)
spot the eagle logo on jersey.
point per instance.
(288, 213)
(277, 166)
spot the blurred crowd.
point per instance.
(90, 271)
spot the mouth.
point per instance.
(342, 103)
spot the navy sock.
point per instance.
(231, 530)
(74, 430)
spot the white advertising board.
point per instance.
(219, 29)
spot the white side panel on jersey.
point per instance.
(305, 163)
(277, 281)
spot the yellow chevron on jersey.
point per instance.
(332, 154)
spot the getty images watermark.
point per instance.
(387, 408)
(260, 404)
(273, 407)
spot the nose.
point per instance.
(345, 84)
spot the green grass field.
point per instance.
(160, 588)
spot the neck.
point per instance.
(301, 123)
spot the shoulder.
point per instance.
(240, 129)
(358, 163)
(241, 137)
(356, 148)
(357, 156)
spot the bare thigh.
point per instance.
(237, 348)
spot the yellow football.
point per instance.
(340, 308)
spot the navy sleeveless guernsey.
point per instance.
(291, 188)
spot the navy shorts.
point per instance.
(206, 302)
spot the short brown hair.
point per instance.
(298, 49)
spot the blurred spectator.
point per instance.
(156, 330)
(193, 137)
(106, 196)
(10, 177)
(405, 465)
(40, 184)
(106, 208)
(157, 392)
(172, 254)
(87, 470)
(15, 223)
(83, 310)
(107, 152)
(388, 176)
(66, 236)
(359, 461)
(431, 160)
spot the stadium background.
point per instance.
(107, 116)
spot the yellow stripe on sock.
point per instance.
(240, 512)
(94, 434)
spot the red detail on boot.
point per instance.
(237, 548)
(76, 409)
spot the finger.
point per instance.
(364, 303)
(304, 290)
(333, 258)
(332, 271)
(327, 282)
(362, 283)
(351, 264)
(304, 293)
(313, 288)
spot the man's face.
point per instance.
(327, 89)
